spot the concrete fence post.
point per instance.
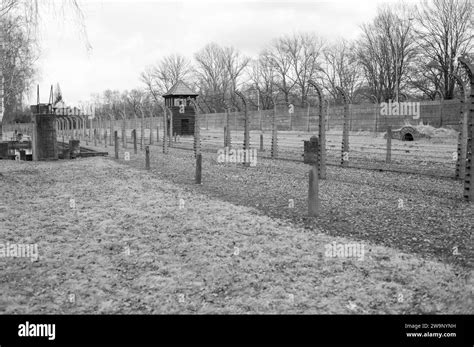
(198, 168)
(165, 130)
(111, 131)
(124, 138)
(462, 138)
(321, 131)
(134, 136)
(345, 130)
(171, 130)
(225, 136)
(246, 129)
(469, 170)
(116, 143)
(147, 157)
(197, 130)
(274, 148)
(229, 132)
(313, 192)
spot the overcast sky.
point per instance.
(126, 36)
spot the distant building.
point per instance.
(177, 99)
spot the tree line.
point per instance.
(405, 51)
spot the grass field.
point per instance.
(154, 242)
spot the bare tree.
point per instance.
(19, 55)
(304, 51)
(218, 73)
(444, 32)
(385, 50)
(161, 77)
(26, 15)
(261, 82)
(341, 68)
(279, 59)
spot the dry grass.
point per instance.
(210, 256)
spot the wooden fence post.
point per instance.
(105, 138)
(157, 135)
(388, 158)
(261, 142)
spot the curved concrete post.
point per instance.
(461, 150)
(164, 108)
(227, 132)
(124, 129)
(142, 130)
(197, 129)
(322, 131)
(345, 130)
(246, 128)
(469, 171)
(170, 137)
(111, 126)
(69, 125)
(374, 99)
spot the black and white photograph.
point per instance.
(236, 158)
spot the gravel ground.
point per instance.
(135, 243)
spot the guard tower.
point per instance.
(178, 100)
(44, 133)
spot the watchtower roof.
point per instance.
(180, 89)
